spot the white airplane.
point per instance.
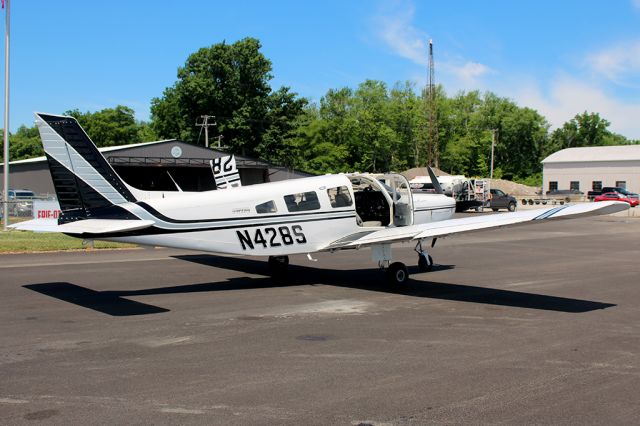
(317, 214)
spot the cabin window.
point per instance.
(553, 186)
(596, 185)
(302, 201)
(339, 196)
(574, 185)
(621, 184)
(268, 207)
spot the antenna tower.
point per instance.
(432, 142)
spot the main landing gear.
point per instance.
(278, 266)
(397, 272)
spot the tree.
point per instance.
(586, 129)
(111, 126)
(25, 143)
(230, 82)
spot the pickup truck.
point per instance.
(593, 194)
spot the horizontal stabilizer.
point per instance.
(88, 226)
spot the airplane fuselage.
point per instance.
(281, 218)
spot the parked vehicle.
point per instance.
(20, 202)
(607, 189)
(614, 196)
(500, 200)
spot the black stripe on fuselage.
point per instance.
(167, 219)
(156, 230)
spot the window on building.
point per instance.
(553, 186)
(302, 201)
(574, 185)
(339, 197)
(596, 185)
(268, 207)
(621, 184)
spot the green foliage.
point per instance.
(111, 126)
(25, 143)
(586, 129)
(25, 241)
(370, 128)
(231, 82)
(533, 180)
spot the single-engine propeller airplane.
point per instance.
(316, 214)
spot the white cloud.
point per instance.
(396, 31)
(567, 97)
(619, 63)
(394, 26)
(468, 73)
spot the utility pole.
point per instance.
(203, 121)
(5, 170)
(494, 132)
(433, 112)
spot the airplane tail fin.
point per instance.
(85, 183)
(434, 181)
(225, 172)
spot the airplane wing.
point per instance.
(88, 226)
(457, 226)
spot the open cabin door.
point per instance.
(382, 200)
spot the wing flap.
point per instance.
(88, 226)
(457, 226)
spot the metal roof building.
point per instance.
(152, 165)
(591, 168)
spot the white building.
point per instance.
(591, 168)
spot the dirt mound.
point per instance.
(422, 171)
(512, 188)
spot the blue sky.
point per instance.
(559, 57)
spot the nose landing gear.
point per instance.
(425, 261)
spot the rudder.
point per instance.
(85, 183)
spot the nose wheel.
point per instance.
(425, 261)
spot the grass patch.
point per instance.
(26, 241)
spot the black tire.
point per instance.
(425, 263)
(512, 206)
(278, 266)
(397, 274)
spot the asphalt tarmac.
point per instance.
(530, 325)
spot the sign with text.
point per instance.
(46, 209)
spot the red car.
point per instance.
(614, 196)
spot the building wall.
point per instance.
(34, 176)
(587, 172)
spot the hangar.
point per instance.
(592, 168)
(152, 165)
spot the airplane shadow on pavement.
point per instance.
(115, 303)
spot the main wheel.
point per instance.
(512, 206)
(425, 263)
(278, 266)
(397, 274)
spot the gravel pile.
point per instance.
(512, 188)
